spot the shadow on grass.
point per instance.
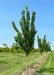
(45, 71)
(5, 62)
(50, 70)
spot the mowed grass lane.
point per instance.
(48, 67)
(14, 65)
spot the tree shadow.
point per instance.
(5, 62)
(50, 70)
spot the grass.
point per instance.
(48, 67)
(14, 65)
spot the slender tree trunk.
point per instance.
(26, 64)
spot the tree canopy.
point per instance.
(27, 37)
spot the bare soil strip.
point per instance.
(32, 70)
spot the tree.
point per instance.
(48, 47)
(43, 45)
(15, 47)
(5, 47)
(44, 41)
(26, 38)
(40, 44)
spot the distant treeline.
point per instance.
(12, 49)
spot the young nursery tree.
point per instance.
(27, 37)
(43, 45)
(48, 47)
(39, 44)
(15, 46)
(44, 41)
(6, 49)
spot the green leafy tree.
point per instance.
(17, 46)
(4, 44)
(13, 48)
(43, 45)
(44, 41)
(39, 44)
(6, 48)
(27, 37)
(48, 47)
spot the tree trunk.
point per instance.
(26, 64)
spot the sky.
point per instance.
(10, 10)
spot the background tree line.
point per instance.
(16, 49)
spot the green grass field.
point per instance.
(14, 64)
(48, 67)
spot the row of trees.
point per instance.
(43, 44)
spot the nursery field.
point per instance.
(48, 67)
(14, 64)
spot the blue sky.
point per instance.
(10, 10)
